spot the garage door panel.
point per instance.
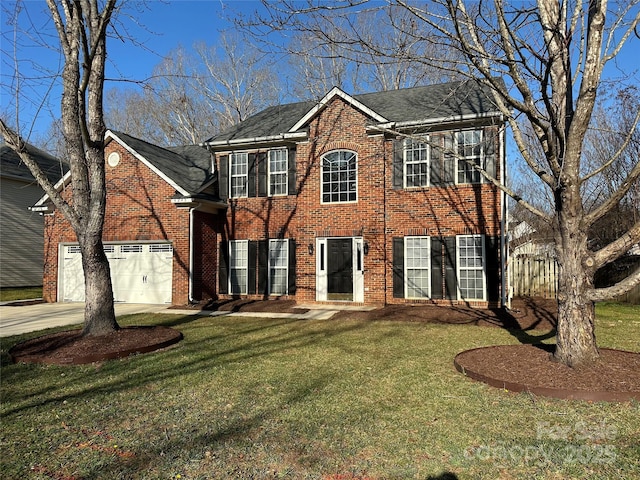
(140, 273)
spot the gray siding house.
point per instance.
(21, 230)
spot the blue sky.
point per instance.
(158, 27)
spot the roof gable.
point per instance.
(186, 168)
(328, 98)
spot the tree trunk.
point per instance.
(99, 314)
(575, 338)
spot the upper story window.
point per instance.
(468, 149)
(278, 167)
(339, 177)
(416, 164)
(239, 169)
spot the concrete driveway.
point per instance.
(15, 320)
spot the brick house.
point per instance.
(366, 199)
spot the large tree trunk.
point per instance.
(99, 313)
(575, 339)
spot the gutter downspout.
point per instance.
(191, 255)
(506, 297)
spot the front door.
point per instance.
(339, 269)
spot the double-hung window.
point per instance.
(339, 177)
(278, 266)
(238, 266)
(278, 166)
(469, 150)
(239, 169)
(417, 260)
(471, 266)
(416, 164)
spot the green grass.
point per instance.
(254, 398)
(21, 293)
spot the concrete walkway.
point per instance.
(18, 319)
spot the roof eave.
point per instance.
(241, 142)
(432, 121)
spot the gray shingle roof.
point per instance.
(188, 166)
(452, 99)
(12, 165)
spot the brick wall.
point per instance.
(379, 214)
(139, 208)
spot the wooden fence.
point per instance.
(536, 276)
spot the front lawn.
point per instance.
(254, 398)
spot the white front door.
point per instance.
(340, 269)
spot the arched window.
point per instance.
(339, 177)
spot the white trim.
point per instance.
(431, 121)
(249, 141)
(336, 92)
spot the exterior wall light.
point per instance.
(310, 247)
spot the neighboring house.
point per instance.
(316, 202)
(21, 231)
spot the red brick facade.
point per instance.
(379, 214)
(139, 208)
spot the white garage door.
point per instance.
(140, 272)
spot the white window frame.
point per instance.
(272, 173)
(349, 191)
(243, 177)
(233, 267)
(281, 246)
(474, 268)
(410, 145)
(408, 268)
(463, 159)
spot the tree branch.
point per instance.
(620, 288)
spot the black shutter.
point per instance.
(449, 160)
(223, 268)
(292, 267)
(490, 137)
(262, 162)
(263, 267)
(398, 160)
(492, 267)
(251, 175)
(223, 177)
(398, 267)
(436, 160)
(450, 274)
(291, 174)
(253, 267)
(436, 268)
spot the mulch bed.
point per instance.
(71, 348)
(615, 377)
(525, 367)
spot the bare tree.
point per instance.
(191, 97)
(81, 28)
(544, 62)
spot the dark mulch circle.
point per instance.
(71, 348)
(615, 377)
